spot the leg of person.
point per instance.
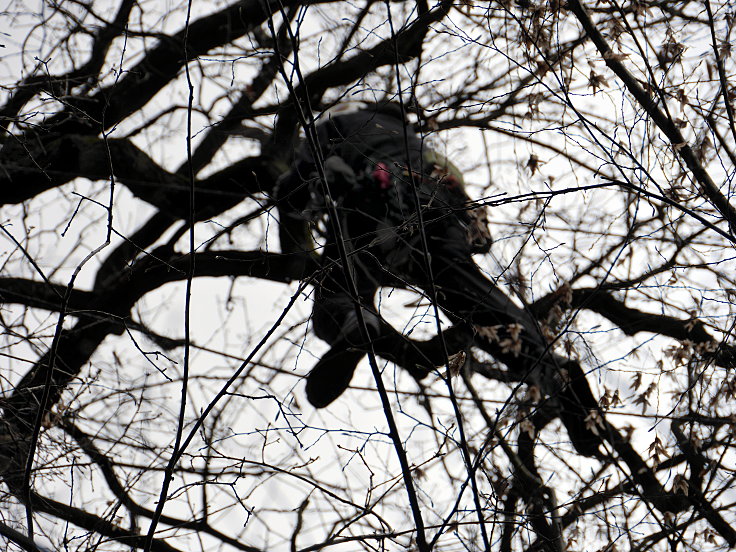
(514, 338)
(336, 321)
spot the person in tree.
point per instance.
(365, 180)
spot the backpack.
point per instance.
(374, 163)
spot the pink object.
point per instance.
(382, 176)
(452, 183)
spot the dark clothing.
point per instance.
(372, 180)
(372, 168)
